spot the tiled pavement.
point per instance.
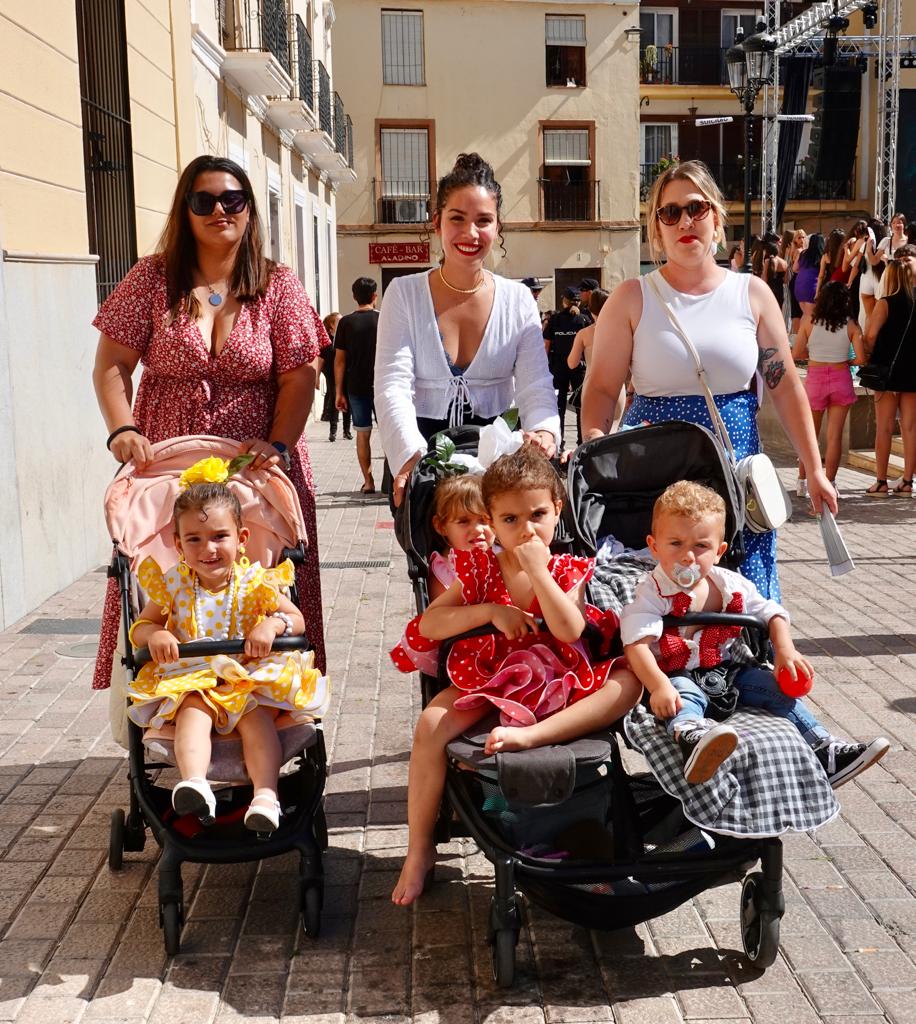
(78, 943)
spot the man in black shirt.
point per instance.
(354, 370)
(586, 286)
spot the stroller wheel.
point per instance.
(759, 926)
(170, 917)
(502, 953)
(311, 898)
(116, 840)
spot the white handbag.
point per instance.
(767, 504)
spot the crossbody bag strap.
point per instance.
(714, 414)
(904, 333)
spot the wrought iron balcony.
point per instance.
(402, 201)
(340, 126)
(682, 65)
(259, 58)
(730, 179)
(569, 200)
(322, 87)
(304, 59)
(349, 142)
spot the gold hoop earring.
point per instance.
(244, 561)
(183, 568)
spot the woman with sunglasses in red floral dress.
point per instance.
(227, 339)
(735, 325)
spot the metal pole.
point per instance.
(748, 177)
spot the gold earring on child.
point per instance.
(244, 562)
(183, 568)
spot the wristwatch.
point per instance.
(284, 454)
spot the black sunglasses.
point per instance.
(202, 204)
(670, 213)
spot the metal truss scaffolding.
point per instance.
(803, 36)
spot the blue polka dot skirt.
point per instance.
(739, 413)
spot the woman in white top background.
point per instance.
(734, 323)
(824, 339)
(460, 345)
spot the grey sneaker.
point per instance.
(705, 749)
(844, 761)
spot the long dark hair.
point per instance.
(252, 271)
(811, 257)
(831, 307)
(764, 251)
(834, 250)
(471, 170)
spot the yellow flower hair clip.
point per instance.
(213, 470)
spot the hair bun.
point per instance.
(474, 163)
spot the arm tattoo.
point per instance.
(773, 370)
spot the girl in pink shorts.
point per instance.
(824, 339)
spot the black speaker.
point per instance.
(835, 132)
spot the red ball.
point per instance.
(797, 687)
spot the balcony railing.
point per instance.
(730, 178)
(682, 65)
(322, 86)
(569, 200)
(402, 201)
(304, 51)
(340, 126)
(264, 28)
(349, 142)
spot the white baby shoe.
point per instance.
(194, 796)
(263, 814)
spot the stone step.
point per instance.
(862, 459)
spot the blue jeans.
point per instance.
(757, 688)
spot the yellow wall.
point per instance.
(42, 182)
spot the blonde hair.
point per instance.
(688, 500)
(454, 495)
(896, 277)
(698, 174)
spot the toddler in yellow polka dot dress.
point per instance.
(214, 592)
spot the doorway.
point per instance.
(390, 273)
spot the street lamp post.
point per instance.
(749, 64)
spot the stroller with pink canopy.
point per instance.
(138, 511)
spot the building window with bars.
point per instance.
(402, 48)
(568, 188)
(403, 192)
(565, 40)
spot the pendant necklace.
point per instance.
(463, 291)
(215, 298)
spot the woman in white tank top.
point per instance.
(824, 340)
(737, 328)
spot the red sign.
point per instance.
(399, 252)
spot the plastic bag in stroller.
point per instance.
(138, 510)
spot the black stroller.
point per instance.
(629, 852)
(276, 533)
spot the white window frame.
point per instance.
(389, 75)
(675, 26)
(301, 210)
(737, 12)
(275, 193)
(656, 124)
(566, 42)
(573, 162)
(387, 179)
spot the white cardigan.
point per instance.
(413, 378)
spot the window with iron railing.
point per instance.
(322, 85)
(565, 50)
(340, 126)
(568, 191)
(304, 48)
(402, 193)
(349, 142)
(402, 48)
(265, 28)
(730, 178)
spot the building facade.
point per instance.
(545, 92)
(102, 102)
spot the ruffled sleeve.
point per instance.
(474, 568)
(127, 314)
(569, 571)
(153, 583)
(263, 589)
(296, 331)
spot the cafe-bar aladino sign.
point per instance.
(399, 252)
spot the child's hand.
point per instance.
(665, 701)
(163, 647)
(533, 555)
(260, 640)
(512, 622)
(789, 658)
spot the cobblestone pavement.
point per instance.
(78, 943)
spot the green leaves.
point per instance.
(240, 462)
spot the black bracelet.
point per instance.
(121, 430)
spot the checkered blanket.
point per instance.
(771, 784)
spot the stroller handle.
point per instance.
(206, 648)
(756, 627)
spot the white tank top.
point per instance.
(828, 346)
(721, 326)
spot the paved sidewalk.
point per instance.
(78, 943)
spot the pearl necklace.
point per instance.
(232, 588)
(464, 291)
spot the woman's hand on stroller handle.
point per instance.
(132, 446)
(399, 481)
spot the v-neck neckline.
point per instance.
(214, 357)
(483, 337)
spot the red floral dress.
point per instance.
(526, 679)
(185, 390)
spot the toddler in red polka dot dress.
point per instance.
(533, 669)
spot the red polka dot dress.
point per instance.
(185, 390)
(525, 679)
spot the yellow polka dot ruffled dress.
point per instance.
(229, 686)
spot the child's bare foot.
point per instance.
(417, 867)
(508, 737)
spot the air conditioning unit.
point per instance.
(410, 211)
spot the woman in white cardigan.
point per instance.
(459, 345)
